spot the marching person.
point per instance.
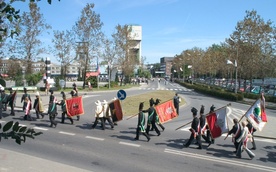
(11, 101)
(195, 130)
(203, 126)
(242, 140)
(4, 100)
(74, 93)
(176, 101)
(157, 120)
(52, 109)
(107, 113)
(236, 133)
(99, 113)
(62, 103)
(23, 98)
(152, 118)
(38, 106)
(28, 108)
(251, 130)
(141, 123)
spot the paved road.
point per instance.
(32, 163)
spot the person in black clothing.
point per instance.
(52, 109)
(11, 101)
(152, 118)
(195, 130)
(203, 126)
(236, 133)
(252, 130)
(37, 107)
(62, 103)
(4, 98)
(141, 123)
(176, 101)
(24, 97)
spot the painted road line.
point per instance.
(221, 160)
(94, 138)
(66, 133)
(39, 128)
(129, 144)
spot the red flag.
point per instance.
(74, 106)
(263, 114)
(116, 110)
(217, 122)
(166, 111)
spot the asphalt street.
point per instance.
(15, 158)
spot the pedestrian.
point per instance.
(208, 132)
(141, 123)
(11, 101)
(152, 118)
(47, 87)
(176, 101)
(75, 93)
(4, 98)
(242, 140)
(195, 130)
(236, 133)
(252, 130)
(28, 108)
(107, 113)
(203, 126)
(52, 109)
(157, 120)
(62, 103)
(23, 98)
(99, 112)
(39, 109)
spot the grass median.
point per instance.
(131, 104)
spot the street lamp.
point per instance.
(236, 73)
(23, 72)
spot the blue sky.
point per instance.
(168, 26)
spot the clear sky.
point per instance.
(168, 26)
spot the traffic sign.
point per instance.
(121, 94)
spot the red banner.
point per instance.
(74, 106)
(166, 111)
(116, 110)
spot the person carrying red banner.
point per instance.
(195, 130)
(28, 108)
(99, 114)
(157, 101)
(204, 126)
(141, 123)
(62, 103)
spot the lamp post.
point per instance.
(23, 72)
(236, 73)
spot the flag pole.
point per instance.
(248, 109)
(229, 104)
(132, 116)
(183, 125)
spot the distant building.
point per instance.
(165, 66)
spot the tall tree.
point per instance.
(27, 44)
(127, 59)
(88, 33)
(253, 43)
(62, 48)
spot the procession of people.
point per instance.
(148, 119)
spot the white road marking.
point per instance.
(221, 160)
(129, 144)
(94, 138)
(39, 128)
(66, 133)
